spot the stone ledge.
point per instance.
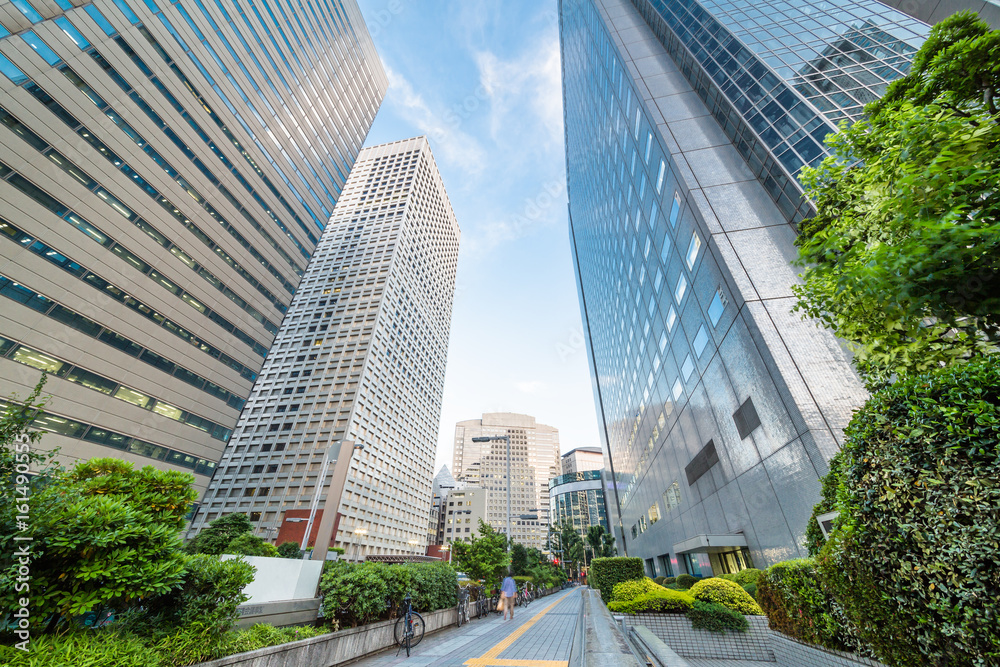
(790, 652)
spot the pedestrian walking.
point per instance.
(508, 589)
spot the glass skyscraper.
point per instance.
(686, 123)
(166, 170)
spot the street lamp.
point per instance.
(505, 438)
(357, 546)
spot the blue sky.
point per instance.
(482, 80)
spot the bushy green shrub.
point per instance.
(89, 648)
(360, 594)
(606, 572)
(751, 589)
(659, 580)
(685, 581)
(523, 579)
(668, 580)
(251, 545)
(716, 618)
(914, 559)
(797, 604)
(743, 577)
(433, 585)
(211, 591)
(727, 593)
(626, 591)
(289, 550)
(659, 600)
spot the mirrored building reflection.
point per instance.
(686, 124)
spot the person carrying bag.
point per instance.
(507, 592)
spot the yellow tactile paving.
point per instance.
(491, 659)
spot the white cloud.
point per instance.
(447, 140)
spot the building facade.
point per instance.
(443, 484)
(534, 459)
(166, 170)
(583, 458)
(577, 499)
(686, 123)
(359, 362)
(462, 511)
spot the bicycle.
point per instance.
(409, 629)
(463, 605)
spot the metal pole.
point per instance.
(509, 535)
(315, 500)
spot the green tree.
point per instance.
(902, 259)
(485, 557)
(251, 545)
(215, 538)
(608, 548)
(289, 550)
(518, 560)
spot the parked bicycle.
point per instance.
(409, 629)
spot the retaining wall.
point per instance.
(675, 631)
(791, 653)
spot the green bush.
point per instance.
(89, 648)
(668, 580)
(685, 581)
(519, 580)
(751, 589)
(434, 585)
(250, 545)
(797, 604)
(659, 580)
(658, 600)
(727, 593)
(289, 550)
(360, 594)
(606, 572)
(210, 592)
(716, 618)
(744, 577)
(914, 561)
(627, 591)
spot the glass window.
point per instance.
(681, 290)
(133, 397)
(60, 425)
(677, 390)
(692, 251)
(700, 340)
(92, 381)
(675, 209)
(717, 306)
(659, 176)
(658, 281)
(100, 20)
(687, 367)
(38, 360)
(40, 47)
(168, 411)
(29, 12)
(671, 318)
(649, 146)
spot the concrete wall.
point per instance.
(282, 579)
(675, 631)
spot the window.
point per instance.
(671, 320)
(687, 367)
(659, 176)
(681, 290)
(654, 513)
(716, 308)
(746, 418)
(700, 341)
(677, 390)
(672, 496)
(692, 252)
(649, 146)
(675, 209)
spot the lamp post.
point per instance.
(505, 438)
(357, 547)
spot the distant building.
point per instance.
(462, 511)
(443, 484)
(360, 358)
(534, 460)
(583, 458)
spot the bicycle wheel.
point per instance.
(461, 613)
(399, 630)
(416, 629)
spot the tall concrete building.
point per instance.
(534, 459)
(359, 362)
(686, 122)
(166, 170)
(583, 458)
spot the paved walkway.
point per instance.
(540, 635)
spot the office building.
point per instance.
(577, 500)
(359, 362)
(583, 458)
(166, 170)
(462, 511)
(686, 123)
(534, 459)
(442, 485)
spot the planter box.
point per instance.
(335, 648)
(675, 631)
(793, 653)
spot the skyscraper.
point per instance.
(360, 359)
(534, 459)
(686, 123)
(166, 170)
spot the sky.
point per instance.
(481, 80)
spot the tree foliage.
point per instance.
(485, 557)
(601, 542)
(289, 550)
(902, 259)
(217, 536)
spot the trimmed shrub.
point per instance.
(626, 591)
(685, 581)
(606, 572)
(716, 618)
(523, 580)
(659, 580)
(727, 593)
(914, 560)
(751, 589)
(744, 577)
(668, 580)
(659, 601)
(358, 594)
(797, 604)
(289, 550)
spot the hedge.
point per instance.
(744, 577)
(716, 618)
(360, 594)
(685, 581)
(915, 559)
(727, 593)
(797, 604)
(606, 572)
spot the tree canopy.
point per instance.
(485, 557)
(902, 259)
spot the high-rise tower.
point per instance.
(360, 359)
(166, 170)
(686, 123)
(534, 460)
